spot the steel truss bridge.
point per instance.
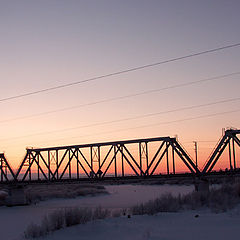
(143, 157)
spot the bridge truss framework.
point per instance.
(98, 160)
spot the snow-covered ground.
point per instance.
(164, 226)
(182, 225)
(14, 220)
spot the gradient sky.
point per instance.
(48, 43)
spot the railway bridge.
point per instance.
(141, 157)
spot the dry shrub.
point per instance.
(223, 199)
(194, 200)
(100, 213)
(33, 231)
(64, 218)
(74, 216)
(56, 219)
(165, 203)
(218, 200)
(117, 213)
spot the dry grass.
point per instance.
(218, 200)
(64, 218)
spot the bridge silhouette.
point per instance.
(111, 159)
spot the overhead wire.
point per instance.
(167, 122)
(118, 72)
(123, 97)
(155, 124)
(128, 119)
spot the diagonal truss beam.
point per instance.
(225, 141)
(5, 169)
(159, 160)
(184, 156)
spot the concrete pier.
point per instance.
(16, 196)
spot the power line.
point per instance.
(169, 122)
(119, 72)
(157, 124)
(128, 119)
(123, 97)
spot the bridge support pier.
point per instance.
(16, 196)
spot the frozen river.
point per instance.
(13, 220)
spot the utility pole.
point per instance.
(195, 148)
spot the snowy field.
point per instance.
(164, 226)
(182, 225)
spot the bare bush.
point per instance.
(33, 231)
(194, 200)
(74, 216)
(117, 213)
(65, 218)
(165, 203)
(218, 200)
(56, 219)
(100, 213)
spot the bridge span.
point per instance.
(147, 157)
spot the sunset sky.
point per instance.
(45, 43)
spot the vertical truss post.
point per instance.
(38, 168)
(115, 161)
(57, 163)
(49, 164)
(69, 165)
(91, 156)
(99, 159)
(140, 156)
(173, 159)
(234, 155)
(167, 159)
(1, 169)
(121, 150)
(230, 155)
(146, 152)
(30, 163)
(77, 164)
(143, 153)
